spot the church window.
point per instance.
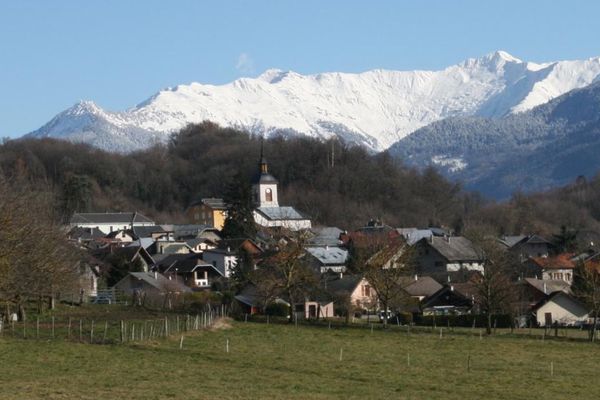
(268, 195)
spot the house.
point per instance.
(268, 212)
(185, 232)
(532, 290)
(360, 293)
(224, 260)
(127, 254)
(209, 211)
(151, 286)
(108, 222)
(560, 308)
(437, 255)
(559, 267)
(189, 269)
(84, 236)
(198, 245)
(121, 235)
(447, 301)
(526, 246)
(163, 246)
(327, 258)
(420, 287)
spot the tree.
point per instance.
(240, 218)
(496, 292)
(586, 289)
(286, 273)
(36, 261)
(384, 271)
(566, 240)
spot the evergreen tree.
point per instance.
(240, 219)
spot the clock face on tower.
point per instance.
(268, 195)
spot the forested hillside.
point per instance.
(202, 160)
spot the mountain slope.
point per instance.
(372, 109)
(547, 146)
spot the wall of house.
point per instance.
(294, 225)
(528, 250)
(320, 310)
(223, 262)
(563, 310)
(364, 296)
(558, 274)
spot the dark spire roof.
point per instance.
(263, 175)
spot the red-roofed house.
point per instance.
(559, 267)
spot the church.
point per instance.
(268, 212)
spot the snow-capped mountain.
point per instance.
(374, 109)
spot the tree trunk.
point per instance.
(385, 308)
(594, 326)
(488, 326)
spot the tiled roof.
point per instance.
(108, 218)
(561, 261)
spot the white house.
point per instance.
(560, 308)
(109, 222)
(268, 213)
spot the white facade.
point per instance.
(266, 194)
(558, 275)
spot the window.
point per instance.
(268, 195)
(366, 291)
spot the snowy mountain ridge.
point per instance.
(373, 109)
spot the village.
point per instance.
(293, 268)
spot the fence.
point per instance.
(110, 331)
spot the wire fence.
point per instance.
(110, 331)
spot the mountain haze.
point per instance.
(548, 146)
(373, 109)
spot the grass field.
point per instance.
(284, 362)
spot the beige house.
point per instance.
(362, 295)
(209, 211)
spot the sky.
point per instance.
(118, 53)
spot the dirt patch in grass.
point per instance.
(221, 323)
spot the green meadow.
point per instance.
(240, 360)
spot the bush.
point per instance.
(277, 310)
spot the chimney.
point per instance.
(155, 275)
(416, 277)
(545, 288)
(228, 249)
(448, 278)
(341, 274)
(451, 288)
(326, 247)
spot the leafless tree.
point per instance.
(586, 288)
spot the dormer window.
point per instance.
(268, 195)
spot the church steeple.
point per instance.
(264, 184)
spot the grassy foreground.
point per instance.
(283, 362)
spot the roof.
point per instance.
(280, 213)
(214, 203)
(108, 218)
(329, 255)
(346, 283)
(447, 295)
(147, 231)
(561, 261)
(511, 241)
(81, 233)
(326, 236)
(413, 236)
(159, 281)
(553, 296)
(549, 285)
(423, 286)
(454, 248)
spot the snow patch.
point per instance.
(453, 164)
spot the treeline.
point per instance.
(333, 183)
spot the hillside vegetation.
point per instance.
(202, 160)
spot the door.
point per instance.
(548, 319)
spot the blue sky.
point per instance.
(118, 53)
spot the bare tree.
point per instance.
(586, 288)
(385, 269)
(497, 293)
